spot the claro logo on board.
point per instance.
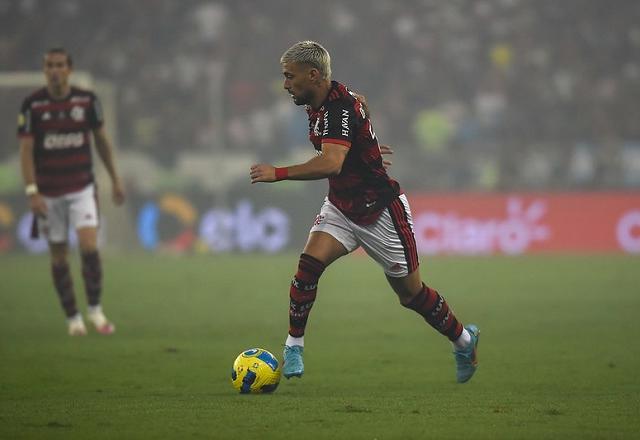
(450, 233)
(467, 224)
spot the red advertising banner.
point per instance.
(517, 223)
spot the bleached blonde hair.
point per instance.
(309, 52)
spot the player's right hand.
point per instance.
(117, 193)
(38, 206)
(262, 172)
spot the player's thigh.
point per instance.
(83, 208)
(324, 247)
(55, 225)
(83, 214)
(331, 235)
(87, 239)
(390, 240)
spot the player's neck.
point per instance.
(323, 91)
(59, 92)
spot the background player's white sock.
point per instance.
(463, 340)
(77, 318)
(291, 341)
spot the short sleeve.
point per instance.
(25, 121)
(339, 123)
(96, 115)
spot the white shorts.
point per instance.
(389, 241)
(77, 210)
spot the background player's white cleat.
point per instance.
(75, 326)
(101, 323)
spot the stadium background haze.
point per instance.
(492, 96)
(516, 136)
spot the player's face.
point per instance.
(56, 69)
(298, 81)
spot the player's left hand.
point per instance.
(386, 150)
(262, 172)
(117, 193)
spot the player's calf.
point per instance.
(429, 304)
(64, 288)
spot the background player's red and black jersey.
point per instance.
(61, 130)
(362, 189)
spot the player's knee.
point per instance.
(405, 288)
(88, 249)
(309, 268)
(59, 260)
(58, 254)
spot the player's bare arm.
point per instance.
(329, 163)
(105, 151)
(36, 201)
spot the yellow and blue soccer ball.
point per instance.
(255, 371)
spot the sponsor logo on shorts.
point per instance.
(396, 268)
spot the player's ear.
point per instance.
(314, 74)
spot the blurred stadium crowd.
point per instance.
(482, 95)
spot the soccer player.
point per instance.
(54, 127)
(365, 207)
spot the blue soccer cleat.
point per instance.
(466, 358)
(293, 365)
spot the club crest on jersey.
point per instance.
(77, 113)
(46, 116)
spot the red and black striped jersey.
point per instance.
(362, 189)
(61, 130)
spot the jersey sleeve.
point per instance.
(96, 115)
(339, 123)
(25, 121)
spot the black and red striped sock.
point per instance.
(92, 275)
(64, 287)
(435, 310)
(302, 293)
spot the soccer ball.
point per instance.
(255, 371)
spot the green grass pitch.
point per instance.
(559, 352)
